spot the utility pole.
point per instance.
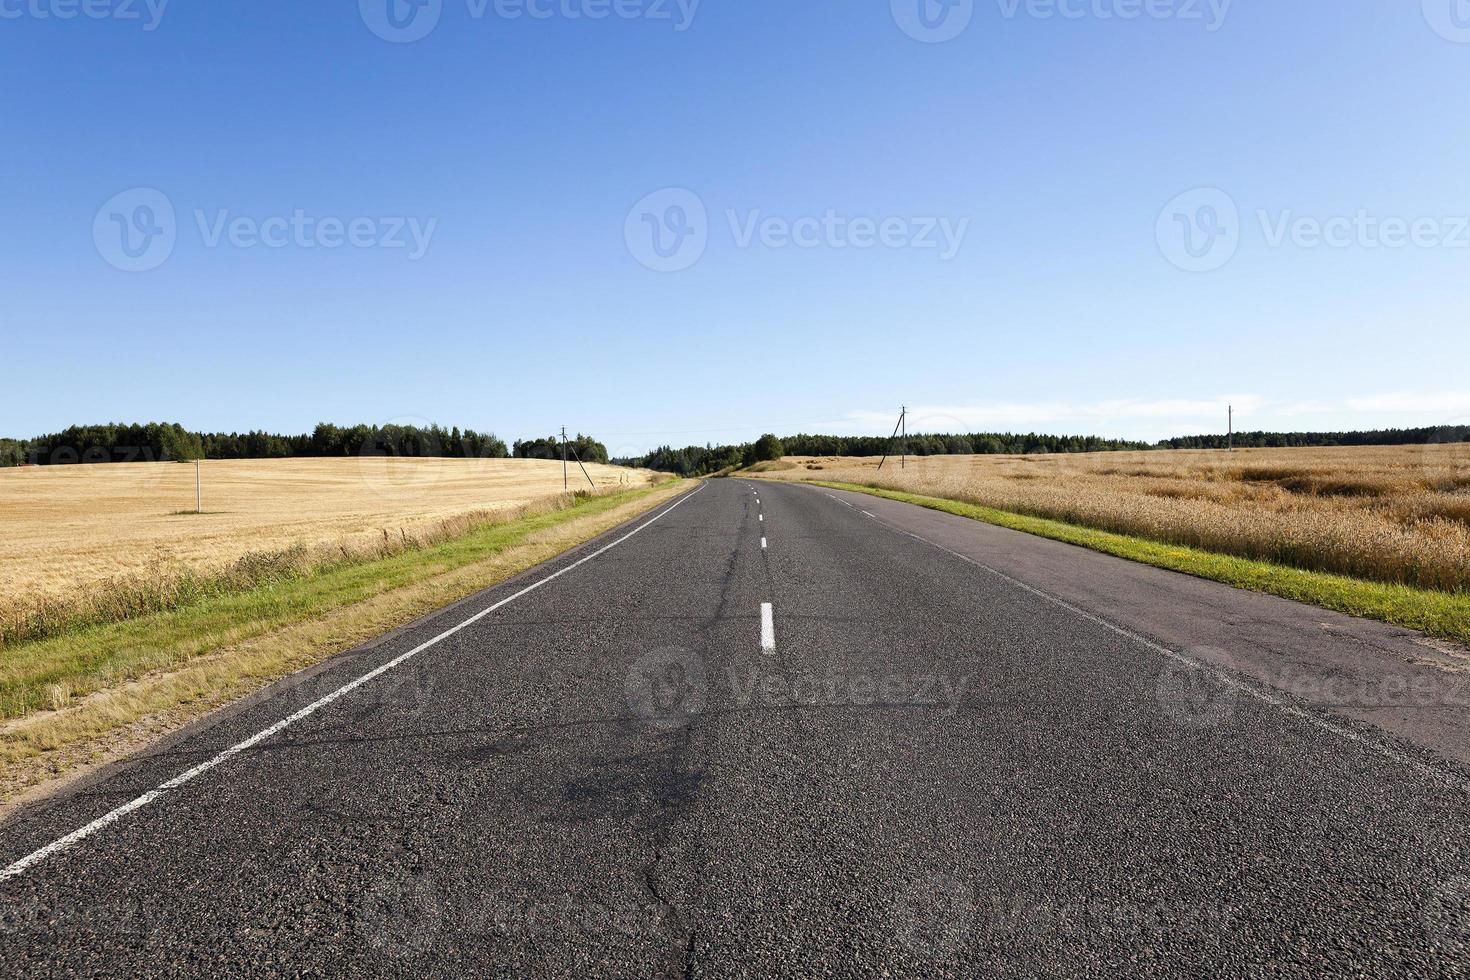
(896, 426)
(903, 420)
(198, 490)
(564, 486)
(1230, 429)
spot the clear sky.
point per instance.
(973, 209)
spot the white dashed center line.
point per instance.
(768, 628)
(763, 544)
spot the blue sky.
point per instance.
(532, 152)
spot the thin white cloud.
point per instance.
(1443, 403)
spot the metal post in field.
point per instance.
(198, 490)
(1230, 429)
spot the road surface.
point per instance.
(776, 730)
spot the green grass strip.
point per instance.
(1441, 614)
(98, 657)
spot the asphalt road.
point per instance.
(942, 754)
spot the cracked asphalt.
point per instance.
(937, 772)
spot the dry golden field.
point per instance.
(1396, 514)
(65, 530)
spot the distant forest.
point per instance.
(118, 443)
(701, 460)
(155, 441)
(586, 448)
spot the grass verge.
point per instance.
(1440, 614)
(97, 693)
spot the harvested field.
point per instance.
(1398, 514)
(68, 531)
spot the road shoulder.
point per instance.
(1397, 680)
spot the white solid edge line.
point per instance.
(1342, 731)
(768, 628)
(36, 857)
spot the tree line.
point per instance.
(157, 441)
(1292, 440)
(586, 448)
(153, 441)
(703, 460)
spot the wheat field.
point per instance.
(67, 530)
(1398, 514)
